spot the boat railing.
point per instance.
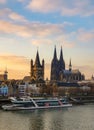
(34, 102)
(60, 102)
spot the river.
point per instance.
(75, 118)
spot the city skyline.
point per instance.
(28, 26)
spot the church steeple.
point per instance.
(37, 70)
(5, 74)
(61, 60)
(37, 60)
(54, 66)
(55, 54)
(70, 65)
(61, 54)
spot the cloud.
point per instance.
(85, 35)
(41, 41)
(2, 1)
(17, 17)
(65, 7)
(10, 28)
(62, 39)
(22, 1)
(46, 33)
(32, 29)
(66, 41)
(7, 13)
(38, 33)
(68, 44)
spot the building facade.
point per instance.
(59, 71)
(4, 77)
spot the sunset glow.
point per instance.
(28, 25)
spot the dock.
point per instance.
(81, 99)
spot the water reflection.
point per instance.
(47, 120)
(75, 118)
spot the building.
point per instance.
(37, 70)
(57, 66)
(3, 90)
(92, 78)
(28, 89)
(4, 77)
(59, 71)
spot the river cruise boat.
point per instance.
(36, 103)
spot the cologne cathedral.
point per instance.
(60, 73)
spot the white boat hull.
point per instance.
(15, 108)
(33, 104)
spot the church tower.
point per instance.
(37, 70)
(54, 66)
(6, 74)
(61, 61)
(70, 65)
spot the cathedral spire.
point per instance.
(37, 61)
(61, 61)
(61, 54)
(55, 54)
(70, 65)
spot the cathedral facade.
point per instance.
(37, 69)
(60, 73)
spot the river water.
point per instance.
(74, 118)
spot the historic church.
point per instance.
(37, 70)
(59, 71)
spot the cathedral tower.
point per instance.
(61, 61)
(54, 66)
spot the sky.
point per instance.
(30, 25)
